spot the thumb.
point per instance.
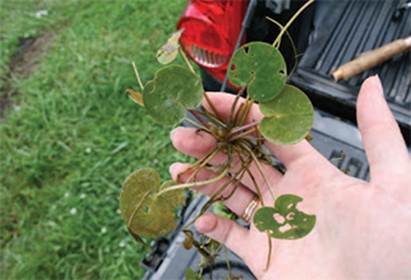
(385, 148)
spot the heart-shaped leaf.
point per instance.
(288, 117)
(284, 221)
(261, 68)
(173, 90)
(147, 213)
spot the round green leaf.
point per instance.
(261, 68)
(284, 221)
(288, 117)
(173, 90)
(147, 213)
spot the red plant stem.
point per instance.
(211, 117)
(211, 106)
(230, 118)
(270, 248)
(241, 128)
(199, 118)
(248, 104)
(241, 135)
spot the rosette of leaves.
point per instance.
(148, 206)
(288, 117)
(288, 112)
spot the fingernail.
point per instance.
(376, 84)
(174, 131)
(173, 170)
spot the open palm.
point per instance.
(362, 229)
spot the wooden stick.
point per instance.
(369, 59)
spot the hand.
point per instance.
(363, 229)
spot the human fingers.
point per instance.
(195, 143)
(236, 201)
(385, 148)
(226, 232)
(199, 143)
(301, 152)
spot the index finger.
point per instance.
(290, 154)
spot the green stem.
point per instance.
(238, 180)
(136, 208)
(205, 254)
(215, 120)
(137, 75)
(257, 188)
(139, 239)
(242, 135)
(249, 103)
(233, 107)
(196, 124)
(244, 127)
(213, 199)
(227, 260)
(186, 60)
(211, 106)
(194, 184)
(270, 248)
(260, 169)
(239, 112)
(209, 202)
(204, 162)
(259, 138)
(292, 20)
(247, 170)
(278, 24)
(232, 178)
(291, 42)
(199, 118)
(135, 235)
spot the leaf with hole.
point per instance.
(261, 68)
(173, 90)
(147, 213)
(288, 117)
(284, 221)
(168, 52)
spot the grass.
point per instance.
(73, 135)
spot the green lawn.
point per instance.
(72, 135)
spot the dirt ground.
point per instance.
(22, 64)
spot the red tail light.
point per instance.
(211, 29)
